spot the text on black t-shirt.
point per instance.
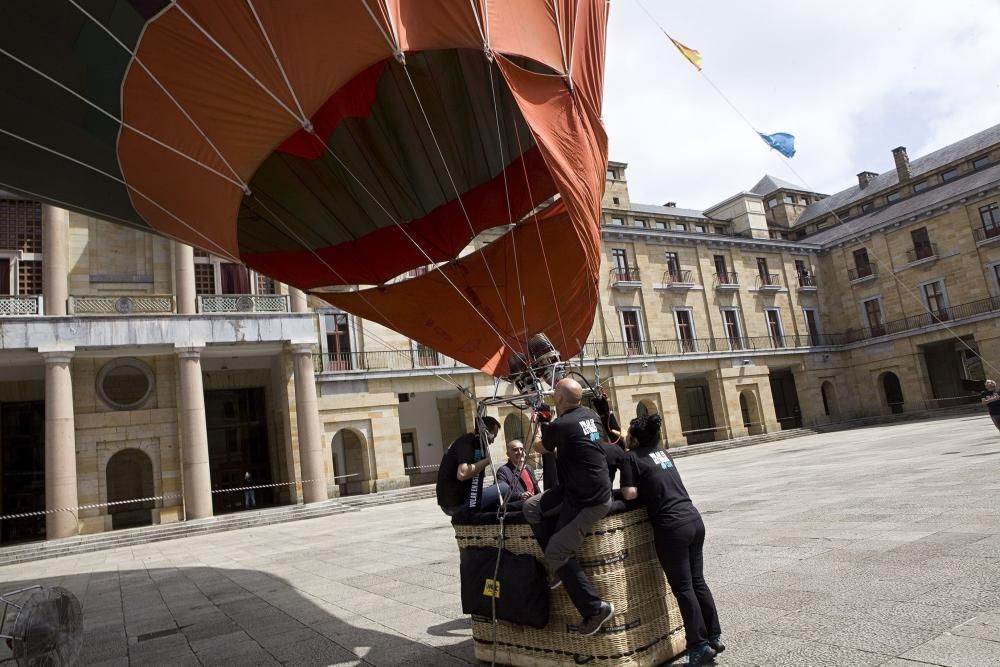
(451, 491)
(652, 472)
(576, 438)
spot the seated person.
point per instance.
(460, 476)
(517, 474)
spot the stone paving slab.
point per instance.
(879, 546)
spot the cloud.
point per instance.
(852, 80)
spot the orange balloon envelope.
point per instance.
(339, 147)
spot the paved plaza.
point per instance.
(878, 546)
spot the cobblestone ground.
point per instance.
(878, 546)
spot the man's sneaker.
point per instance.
(701, 655)
(716, 643)
(554, 581)
(592, 624)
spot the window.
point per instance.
(788, 199)
(631, 331)
(673, 265)
(265, 285)
(935, 299)
(720, 230)
(949, 174)
(616, 201)
(772, 202)
(892, 197)
(29, 277)
(619, 259)
(408, 440)
(762, 266)
(862, 265)
(611, 174)
(425, 356)
(800, 267)
(338, 341)
(922, 248)
(699, 228)
(774, 330)
(685, 329)
(812, 325)
(981, 162)
(659, 224)
(618, 222)
(682, 227)
(204, 278)
(868, 207)
(720, 265)
(920, 186)
(638, 222)
(873, 316)
(731, 320)
(990, 217)
(21, 226)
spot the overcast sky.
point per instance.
(850, 79)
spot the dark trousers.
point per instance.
(996, 420)
(559, 528)
(680, 552)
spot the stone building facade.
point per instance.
(132, 367)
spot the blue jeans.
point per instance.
(489, 501)
(249, 499)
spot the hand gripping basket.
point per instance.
(618, 556)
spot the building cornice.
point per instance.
(671, 237)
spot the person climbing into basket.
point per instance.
(460, 477)
(582, 498)
(679, 534)
(991, 398)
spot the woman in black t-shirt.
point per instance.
(679, 534)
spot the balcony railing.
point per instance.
(982, 234)
(807, 282)
(727, 280)
(678, 277)
(14, 306)
(383, 360)
(243, 303)
(138, 304)
(961, 311)
(923, 251)
(861, 272)
(768, 281)
(629, 274)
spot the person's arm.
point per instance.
(629, 478)
(470, 470)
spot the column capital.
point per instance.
(189, 352)
(301, 348)
(56, 355)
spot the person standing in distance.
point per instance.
(678, 533)
(582, 498)
(991, 398)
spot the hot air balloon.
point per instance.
(334, 146)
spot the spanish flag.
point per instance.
(692, 55)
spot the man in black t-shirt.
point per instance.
(583, 498)
(463, 467)
(991, 398)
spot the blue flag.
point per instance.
(782, 142)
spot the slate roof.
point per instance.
(668, 210)
(918, 167)
(969, 184)
(769, 184)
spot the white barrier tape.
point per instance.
(26, 515)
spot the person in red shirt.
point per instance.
(518, 475)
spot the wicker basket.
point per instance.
(618, 556)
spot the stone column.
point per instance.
(55, 260)
(60, 446)
(184, 278)
(307, 420)
(300, 304)
(196, 478)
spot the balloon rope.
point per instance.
(458, 195)
(277, 61)
(136, 59)
(510, 213)
(839, 221)
(238, 183)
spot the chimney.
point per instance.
(902, 163)
(671, 204)
(866, 177)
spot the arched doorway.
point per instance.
(514, 427)
(645, 407)
(352, 462)
(751, 413)
(829, 395)
(130, 476)
(893, 392)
